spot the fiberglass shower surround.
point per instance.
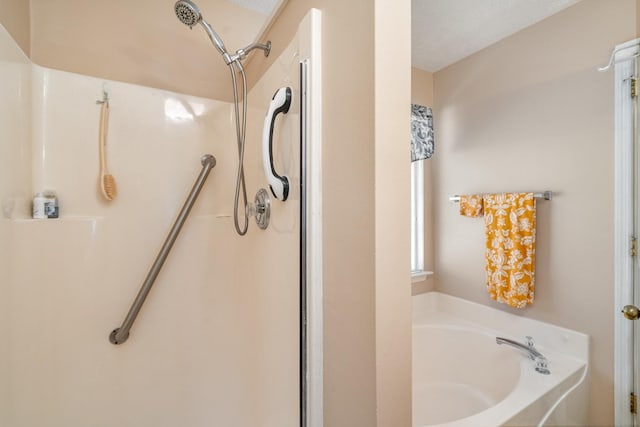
(189, 14)
(192, 359)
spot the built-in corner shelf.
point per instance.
(63, 219)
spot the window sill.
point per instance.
(420, 276)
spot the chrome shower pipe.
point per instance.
(241, 54)
(121, 334)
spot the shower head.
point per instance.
(189, 14)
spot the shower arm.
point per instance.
(121, 334)
(241, 54)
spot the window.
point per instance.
(422, 146)
(417, 221)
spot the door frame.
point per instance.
(623, 230)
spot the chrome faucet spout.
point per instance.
(528, 349)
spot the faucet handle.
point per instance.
(542, 365)
(260, 208)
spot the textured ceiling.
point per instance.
(263, 6)
(445, 31)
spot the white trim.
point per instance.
(623, 220)
(310, 50)
(417, 216)
(420, 276)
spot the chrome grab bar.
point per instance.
(120, 335)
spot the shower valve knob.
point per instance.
(260, 209)
(253, 209)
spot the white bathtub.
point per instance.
(461, 377)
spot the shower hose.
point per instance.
(240, 137)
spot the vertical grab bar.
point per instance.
(120, 335)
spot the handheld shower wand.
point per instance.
(189, 14)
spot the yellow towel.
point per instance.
(510, 225)
(471, 205)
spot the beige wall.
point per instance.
(14, 15)
(140, 42)
(392, 212)
(348, 203)
(532, 113)
(354, 317)
(421, 87)
(422, 93)
(637, 18)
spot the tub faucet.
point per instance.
(533, 354)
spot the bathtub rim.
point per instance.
(567, 350)
(546, 336)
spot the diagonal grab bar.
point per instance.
(120, 335)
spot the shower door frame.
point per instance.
(311, 246)
(626, 268)
(311, 385)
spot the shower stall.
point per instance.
(218, 340)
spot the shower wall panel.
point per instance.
(15, 184)
(216, 342)
(272, 256)
(15, 121)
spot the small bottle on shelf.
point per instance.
(45, 205)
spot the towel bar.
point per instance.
(546, 195)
